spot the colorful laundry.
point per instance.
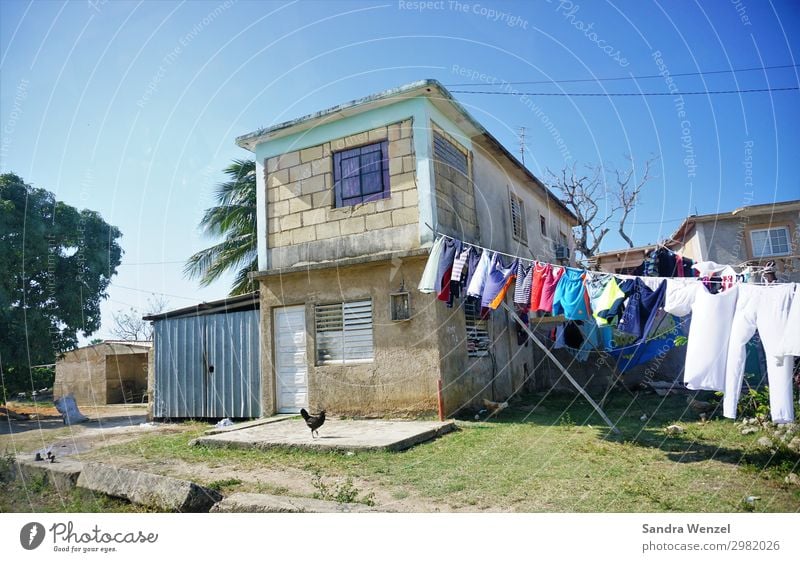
(498, 280)
(570, 297)
(550, 278)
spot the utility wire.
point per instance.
(616, 78)
(625, 94)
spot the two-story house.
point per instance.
(349, 202)
(752, 235)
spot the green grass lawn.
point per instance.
(548, 453)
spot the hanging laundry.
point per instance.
(595, 285)
(666, 262)
(641, 309)
(472, 264)
(450, 249)
(460, 265)
(710, 268)
(479, 273)
(615, 299)
(498, 281)
(791, 338)
(522, 289)
(427, 284)
(602, 304)
(550, 279)
(537, 282)
(570, 296)
(765, 308)
(709, 333)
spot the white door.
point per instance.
(291, 368)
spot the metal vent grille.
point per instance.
(446, 152)
(477, 330)
(344, 333)
(518, 219)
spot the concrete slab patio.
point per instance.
(341, 435)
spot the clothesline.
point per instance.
(622, 275)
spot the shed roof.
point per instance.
(249, 301)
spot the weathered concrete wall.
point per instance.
(468, 380)
(304, 226)
(495, 180)
(402, 379)
(83, 372)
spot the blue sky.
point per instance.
(131, 108)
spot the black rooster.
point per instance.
(313, 422)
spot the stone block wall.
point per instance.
(300, 195)
(455, 196)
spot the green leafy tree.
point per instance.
(234, 220)
(55, 265)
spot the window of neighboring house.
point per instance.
(543, 225)
(770, 242)
(448, 153)
(477, 329)
(361, 174)
(344, 333)
(518, 228)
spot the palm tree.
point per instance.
(234, 219)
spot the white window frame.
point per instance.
(519, 228)
(346, 328)
(771, 251)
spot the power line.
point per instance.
(616, 78)
(152, 262)
(625, 94)
(155, 292)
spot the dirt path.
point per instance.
(107, 425)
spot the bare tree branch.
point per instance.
(128, 324)
(596, 206)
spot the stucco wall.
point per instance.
(402, 378)
(494, 181)
(728, 241)
(303, 224)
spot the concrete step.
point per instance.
(242, 502)
(144, 488)
(61, 475)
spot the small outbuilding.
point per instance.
(206, 360)
(110, 372)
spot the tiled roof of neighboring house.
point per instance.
(136, 343)
(430, 88)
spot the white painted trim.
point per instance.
(261, 216)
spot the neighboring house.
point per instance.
(752, 235)
(347, 202)
(110, 372)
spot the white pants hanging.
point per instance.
(765, 308)
(791, 338)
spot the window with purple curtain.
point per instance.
(361, 174)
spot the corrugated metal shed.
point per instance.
(207, 360)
